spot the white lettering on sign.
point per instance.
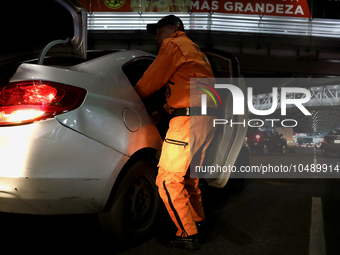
(205, 5)
(228, 6)
(249, 8)
(289, 9)
(259, 8)
(267, 8)
(299, 10)
(195, 5)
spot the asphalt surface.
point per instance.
(269, 216)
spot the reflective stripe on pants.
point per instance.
(178, 190)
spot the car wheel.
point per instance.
(135, 205)
(283, 149)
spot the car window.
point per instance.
(221, 66)
(275, 133)
(269, 133)
(135, 68)
(266, 133)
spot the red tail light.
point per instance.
(29, 101)
(258, 137)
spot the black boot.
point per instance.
(200, 225)
(189, 243)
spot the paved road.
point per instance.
(270, 216)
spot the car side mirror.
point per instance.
(281, 135)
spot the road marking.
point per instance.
(317, 238)
(315, 161)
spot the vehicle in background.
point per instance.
(331, 143)
(288, 134)
(264, 140)
(311, 145)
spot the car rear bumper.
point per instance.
(49, 196)
(47, 168)
(255, 146)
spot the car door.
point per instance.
(228, 139)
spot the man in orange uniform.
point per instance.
(189, 132)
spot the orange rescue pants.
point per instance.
(179, 191)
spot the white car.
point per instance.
(77, 139)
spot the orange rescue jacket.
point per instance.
(179, 59)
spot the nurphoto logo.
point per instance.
(239, 105)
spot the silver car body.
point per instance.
(69, 164)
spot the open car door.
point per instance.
(229, 138)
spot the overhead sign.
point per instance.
(106, 5)
(289, 8)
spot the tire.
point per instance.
(283, 150)
(135, 205)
